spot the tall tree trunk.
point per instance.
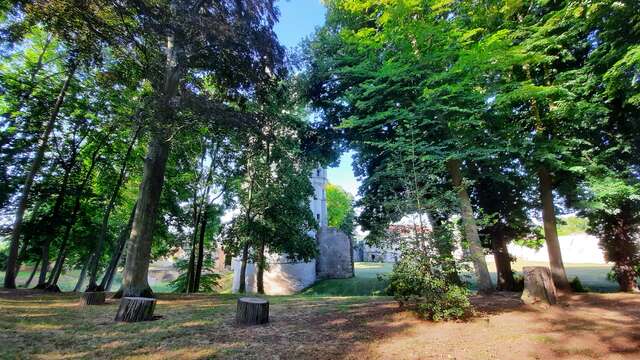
(203, 228)
(470, 229)
(261, 265)
(83, 275)
(107, 279)
(550, 231)
(33, 273)
(191, 266)
(623, 250)
(242, 287)
(43, 142)
(55, 274)
(135, 281)
(42, 279)
(506, 282)
(93, 268)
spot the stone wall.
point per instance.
(335, 258)
(281, 278)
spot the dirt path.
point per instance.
(599, 326)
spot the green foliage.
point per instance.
(209, 280)
(340, 209)
(576, 286)
(572, 225)
(425, 286)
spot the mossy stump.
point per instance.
(134, 309)
(252, 311)
(92, 298)
(538, 286)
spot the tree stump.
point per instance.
(134, 309)
(538, 286)
(92, 298)
(252, 311)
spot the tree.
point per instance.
(340, 209)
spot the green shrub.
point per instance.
(209, 280)
(426, 286)
(576, 286)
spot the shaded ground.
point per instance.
(598, 326)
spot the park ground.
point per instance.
(315, 325)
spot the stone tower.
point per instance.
(319, 202)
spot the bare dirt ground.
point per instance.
(589, 326)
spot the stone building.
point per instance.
(285, 276)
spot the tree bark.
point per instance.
(538, 286)
(470, 229)
(622, 250)
(135, 283)
(252, 311)
(192, 256)
(242, 287)
(261, 265)
(109, 274)
(33, 273)
(42, 278)
(93, 268)
(83, 275)
(506, 282)
(43, 142)
(92, 298)
(550, 231)
(134, 309)
(203, 228)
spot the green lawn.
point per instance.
(593, 276)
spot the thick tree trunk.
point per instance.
(109, 274)
(623, 250)
(135, 283)
(93, 268)
(538, 286)
(199, 263)
(550, 231)
(252, 311)
(242, 287)
(470, 229)
(83, 275)
(261, 265)
(92, 298)
(43, 142)
(506, 282)
(134, 309)
(33, 273)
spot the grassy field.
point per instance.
(36, 325)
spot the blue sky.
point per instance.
(298, 20)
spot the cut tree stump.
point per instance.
(92, 298)
(538, 286)
(134, 309)
(252, 311)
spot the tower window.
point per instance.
(318, 217)
(318, 172)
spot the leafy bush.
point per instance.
(209, 280)
(518, 282)
(427, 287)
(576, 286)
